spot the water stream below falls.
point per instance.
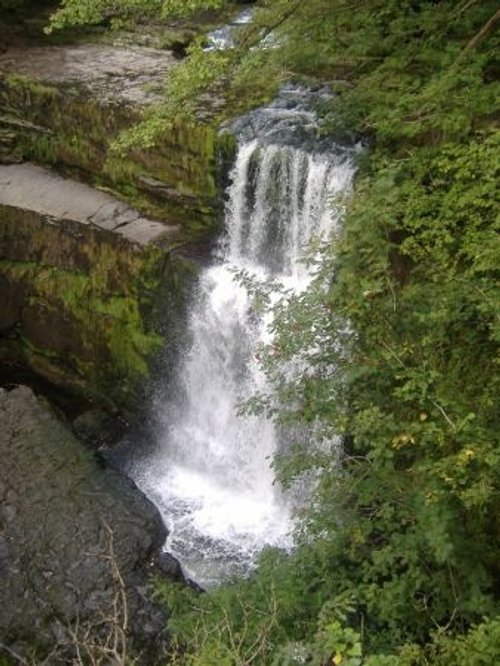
(209, 472)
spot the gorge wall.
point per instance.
(97, 253)
(87, 271)
(78, 298)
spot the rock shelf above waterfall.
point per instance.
(65, 106)
(30, 187)
(132, 75)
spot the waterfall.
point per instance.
(210, 473)
(223, 38)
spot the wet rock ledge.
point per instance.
(33, 188)
(77, 542)
(92, 286)
(82, 281)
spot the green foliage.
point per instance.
(187, 7)
(399, 333)
(201, 71)
(479, 647)
(88, 12)
(91, 12)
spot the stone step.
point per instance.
(34, 188)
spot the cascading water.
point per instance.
(223, 38)
(210, 473)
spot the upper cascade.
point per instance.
(223, 37)
(278, 202)
(290, 120)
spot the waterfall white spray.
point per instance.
(211, 474)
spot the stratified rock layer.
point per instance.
(30, 187)
(80, 286)
(111, 74)
(64, 106)
(73, 536)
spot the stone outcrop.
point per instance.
(91, 279)
(78, 542)
(32, 188)
(81, 279)
(109, 74)
(63, 106)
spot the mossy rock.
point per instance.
(83, 307)
(62, 126)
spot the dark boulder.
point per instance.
(77, 541)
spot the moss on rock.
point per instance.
(61, 125)
(80, 305)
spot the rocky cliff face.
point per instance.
(82, 273)
(79, 297)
